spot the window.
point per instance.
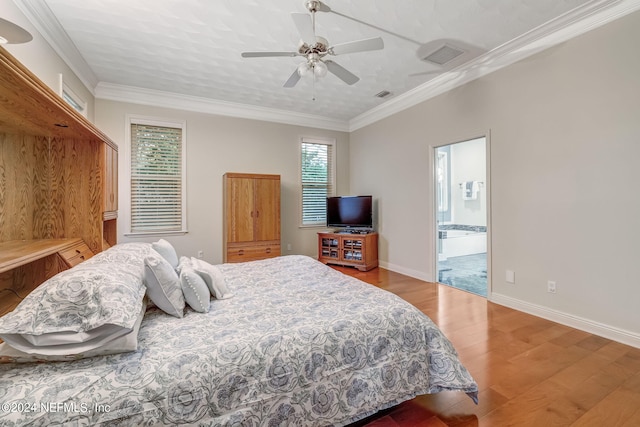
(157, 177)
(317, 178)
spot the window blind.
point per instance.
(317, 181)
(156, 178)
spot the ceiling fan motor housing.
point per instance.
(313, 5)
(321, 47)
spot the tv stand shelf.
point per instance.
(354, 250)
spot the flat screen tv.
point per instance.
(350, 212)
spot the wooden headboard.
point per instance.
(56, 179)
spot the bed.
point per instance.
(298, 344)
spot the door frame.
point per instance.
(434, 204)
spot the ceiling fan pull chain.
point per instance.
(313, 94)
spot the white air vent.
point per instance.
(383, 94)
(443, 54)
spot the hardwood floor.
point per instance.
(530, 371)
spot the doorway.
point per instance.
(461, 215)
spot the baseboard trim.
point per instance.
(406, 271)
(606, 331)
(600, 329)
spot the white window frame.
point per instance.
(153, 121)
(324, 141)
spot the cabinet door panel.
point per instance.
(110, 179)
(240, 210)
(267, 209)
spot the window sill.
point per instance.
(156, 233)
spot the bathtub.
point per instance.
(460, 240)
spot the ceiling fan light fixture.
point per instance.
(304, 69)
(11, 33)
(319, 69)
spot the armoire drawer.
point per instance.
(252, 253)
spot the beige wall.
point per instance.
(41, 59)
(565, 200)
(215, 145)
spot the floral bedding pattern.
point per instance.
(92, 294)
(298, 344)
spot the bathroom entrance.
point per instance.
(461, 215)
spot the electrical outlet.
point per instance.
(510, 276)
(551, 287)
(200, 254)
(288, 246)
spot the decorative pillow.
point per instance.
(195, 290)
(95, 301)
(121, 344)
(213, 277)
(167, 251)
(184, 261)
(163, 285)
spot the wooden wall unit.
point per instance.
(251, 217)
(58, 175)
(111, 181)
(110, 208)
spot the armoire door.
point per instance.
(240, 210)
(267, 209)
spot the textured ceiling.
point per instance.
(193, 47)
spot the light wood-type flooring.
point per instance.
(530, 371)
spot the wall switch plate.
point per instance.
(510, 276)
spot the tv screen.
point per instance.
(350, 212)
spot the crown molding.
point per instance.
(48, 26)
(157, 98)
(563, 28)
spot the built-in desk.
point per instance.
(25, 264)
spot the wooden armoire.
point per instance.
(251, 217)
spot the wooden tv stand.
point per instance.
(354, 250)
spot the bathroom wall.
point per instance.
(468, 163)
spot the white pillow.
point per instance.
(92, 302)
(163, 285)
(167, 251)
(184, 261)
(195, 290)
(213, 277)
(120, 344)
(93, 338)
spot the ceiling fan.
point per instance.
(315, 49)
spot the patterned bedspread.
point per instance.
(298, 344)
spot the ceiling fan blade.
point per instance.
(375, 43)
(323, 7)
(267, 54)
(304, 24)
(293, 79)
(342, 73)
